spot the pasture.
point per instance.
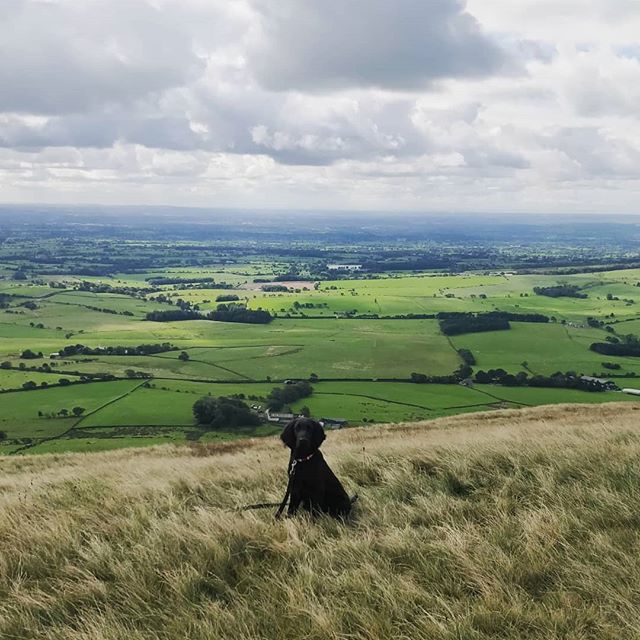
(362, 364)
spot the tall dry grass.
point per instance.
(513, 524)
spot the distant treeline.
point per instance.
(139, 350)
(272, 288)
(507, 315)
(619, 349)
(558, 380)
(462, 373)
(238, 313)
(159, 281)
(224, 313)
(560, 291)
(173, 315)
(100, 287)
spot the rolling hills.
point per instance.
(510, 524)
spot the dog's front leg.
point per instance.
(294, 502)
(318, 501)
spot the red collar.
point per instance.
(307, 457)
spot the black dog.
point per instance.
(311, 481)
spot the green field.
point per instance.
(363, 364)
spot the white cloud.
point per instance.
(492, 105)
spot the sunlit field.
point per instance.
(348, 335)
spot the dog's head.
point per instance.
(303, 436)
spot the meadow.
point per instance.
(361, 365)
(511, 524)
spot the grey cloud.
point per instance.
(66, 57)
(597, 153)
(405, 44)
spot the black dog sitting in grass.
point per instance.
(312, 484)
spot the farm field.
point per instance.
(123, 413)
(350, 336)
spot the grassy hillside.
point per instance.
(510, 524)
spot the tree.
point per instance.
(3, 435)
(78, 411)
(280, 396)
(29, 385)
(5, 365)
(184, 356)
(223, 412)
(305, 411)
(27, 354)
(63, 412)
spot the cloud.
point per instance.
(67, 57)
(369, 103)
(403, 45)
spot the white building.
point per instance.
(344, 267)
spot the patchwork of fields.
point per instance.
(362, 364)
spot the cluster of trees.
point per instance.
(227, 297)
(174, 315)
(224, 313)
(101, 287)
(455, 322)
(223, 413)
(239, 313)
(463, 372)
(558, 380)
(281, 396)
(507, 315)
(472, 323)
(162, 281)
(467, 357)
(27, 354)
(274, 288)
(106, 310)
(63, 413)
(560, 291)
(139, 350)
(616, 348)
(310, 305)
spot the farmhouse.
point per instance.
(344, 267)
(607, 384)
(333, 423)
(272, 416)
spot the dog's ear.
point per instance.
(288, 435)
(317, 435)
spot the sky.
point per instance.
(419, 105)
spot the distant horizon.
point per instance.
(318, 211)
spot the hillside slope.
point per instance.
(511, 524)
